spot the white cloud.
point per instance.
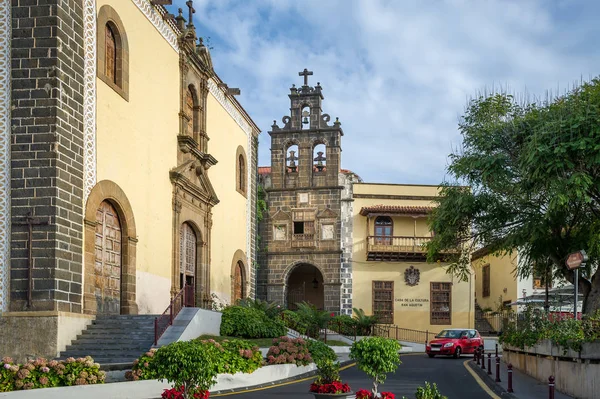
(397, 73)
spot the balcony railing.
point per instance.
(303, 240)
(396, 247)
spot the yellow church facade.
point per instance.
(390, 276)
(174, 154)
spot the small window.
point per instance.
(298, 227)
(111, 54)
(112, 51)
(189, 110)
(383, 301)
(441, 303)
(485, 291)
(241, 176)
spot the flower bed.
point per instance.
(41, 373)
(289, 350)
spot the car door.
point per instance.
(475, 340)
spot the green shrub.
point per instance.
(289, 350)
(192, 365)
(312, 319)
(363, 322)
(243, 322)
(271, 309)
(143, 367)
(41, 373)
(239, 356)
(320, 352)
(233, 356)
(344, 325)
(429, 392)
(376, 357)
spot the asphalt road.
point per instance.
(453, 380)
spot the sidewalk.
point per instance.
(524, 386)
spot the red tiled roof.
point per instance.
(396, 210)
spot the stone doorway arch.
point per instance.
(110, 248)
(305, 283)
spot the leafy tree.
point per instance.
(376, 357)
(532, 172)
(363, 322)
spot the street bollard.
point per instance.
(496, 350)
(497, 369)
(489, 364)
(482, 360)
(510, 371)
(551, 387)
(478, 356)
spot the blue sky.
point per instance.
(397, 73)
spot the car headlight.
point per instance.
(449, 344)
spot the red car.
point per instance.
(454, 342)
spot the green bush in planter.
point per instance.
(376, 356)
(429, 392)
(189, 364)
(247, 322)
(321, 352)
(239, 355)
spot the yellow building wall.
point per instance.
(137, 146)
(229, 229)
(411, 304)
(502, 280)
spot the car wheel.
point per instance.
(457, 352)
(430, 355)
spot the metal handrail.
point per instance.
(403, 334)
(162, 322)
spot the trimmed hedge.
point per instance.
(246, 322)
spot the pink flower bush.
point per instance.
(289, 350)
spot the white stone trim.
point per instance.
(89, 97)
(5, 129)
(231, 109)
(249, 171)
(157, 20)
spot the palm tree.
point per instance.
(364, 323)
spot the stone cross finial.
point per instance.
(192, 10)
(306, 73)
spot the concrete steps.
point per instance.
(111, 340)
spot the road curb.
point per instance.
(489, 381)
(273, 384)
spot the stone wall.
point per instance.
(577, 373)
(47, 152)
(346, 238)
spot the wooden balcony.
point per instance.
(396, 248)
(303, 240)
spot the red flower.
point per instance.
(332, 314)
(177, 393)
(363, 394)
(387, 395)
(334, 387)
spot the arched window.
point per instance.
(190, 96)
(110, 65)
(319, 158)
(291, 159)
(384, 229)
(112, 55)
(239, 283)
(240, 171)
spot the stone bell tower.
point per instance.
(301, 233)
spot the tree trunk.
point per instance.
(591, 302)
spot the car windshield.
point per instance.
(450, 334)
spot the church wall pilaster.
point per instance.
(47, 166)
(5, 129)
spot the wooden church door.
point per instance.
(187, 259)
(238, 290)
(107, 269)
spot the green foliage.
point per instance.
(568, 333)
(312, 319)
(320, 351)
(328, 371)
(271, 309)
(190, 364)
(376, 357)
(249, 322)
(289, 350)
(533, 185)
(143, 367)
(41, 373)
(344, 324)
(225, 357)
(429, 392)
(363, 322)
